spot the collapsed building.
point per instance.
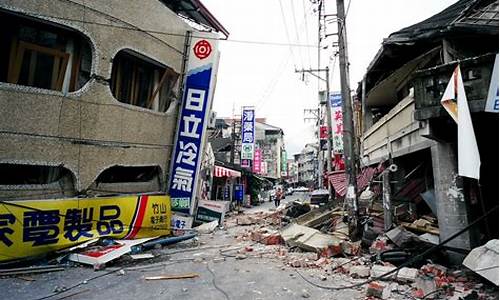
(405, 124)
(90, 93)
(96, 98)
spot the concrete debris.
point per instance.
(317, 216)
(267, 236)
(401, 237)
(407, 274)
(483, 261)
(309, 239)
(359, 271)
(305, 294)
(241, 256)
(246, 220)
(378, 270)
(351, 248)
(207, 227)
(380, 245)
(378, 290)
(296, 209)
(429, 238)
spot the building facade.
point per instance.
(307, 162)
(89, 96)
(405, 124)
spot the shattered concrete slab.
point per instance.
(407, 274)
(483, 261)
(378, 270)
(308, 238)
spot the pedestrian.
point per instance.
(277, 197)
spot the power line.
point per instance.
(307, 32)
(286, 30)
(297, 38)
(256, 42)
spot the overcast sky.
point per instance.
(264, 75)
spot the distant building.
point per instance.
(307, 162)
(269, 138)
(293, 172)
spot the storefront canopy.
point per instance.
(225, 172)
(338, 180)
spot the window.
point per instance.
(16, 174)
(118, 174)
(140, 82)
(42, 55)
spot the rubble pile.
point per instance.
(318, 240)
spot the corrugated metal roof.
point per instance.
(463, 14)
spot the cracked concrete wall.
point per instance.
(88, 130)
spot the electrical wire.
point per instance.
(297, 38)
(97, 277)
(405, 264)
(215, 284)
(307, 32)
(255, 42)
(286, 31)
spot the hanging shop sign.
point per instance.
(35, 227)
(337, 121)
(257, 160)
(193, 119)
(492, 101)
(323, 132)
(247, 133)
(284, 163)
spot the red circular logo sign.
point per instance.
(202, 49)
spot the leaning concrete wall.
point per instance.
(88, 130)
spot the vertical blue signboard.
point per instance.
(196, 103)
(247, 135)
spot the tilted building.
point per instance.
(89, 94)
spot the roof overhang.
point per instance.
(195, 11)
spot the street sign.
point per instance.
(247, 133)
(193, 119)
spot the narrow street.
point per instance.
(143, 144)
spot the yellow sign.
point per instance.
(34, 227)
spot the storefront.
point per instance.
(225, 180)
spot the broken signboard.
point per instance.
(36, 227)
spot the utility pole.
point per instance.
(328, 117)
(348, 134)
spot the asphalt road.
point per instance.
(219, 275)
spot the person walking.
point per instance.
(278, 196)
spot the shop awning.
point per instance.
(338, 180)
(225, 172)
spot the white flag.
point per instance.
(469, 161)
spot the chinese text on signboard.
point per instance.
(34, 227)
(192, 124)
(337, 121)
(247, 133)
